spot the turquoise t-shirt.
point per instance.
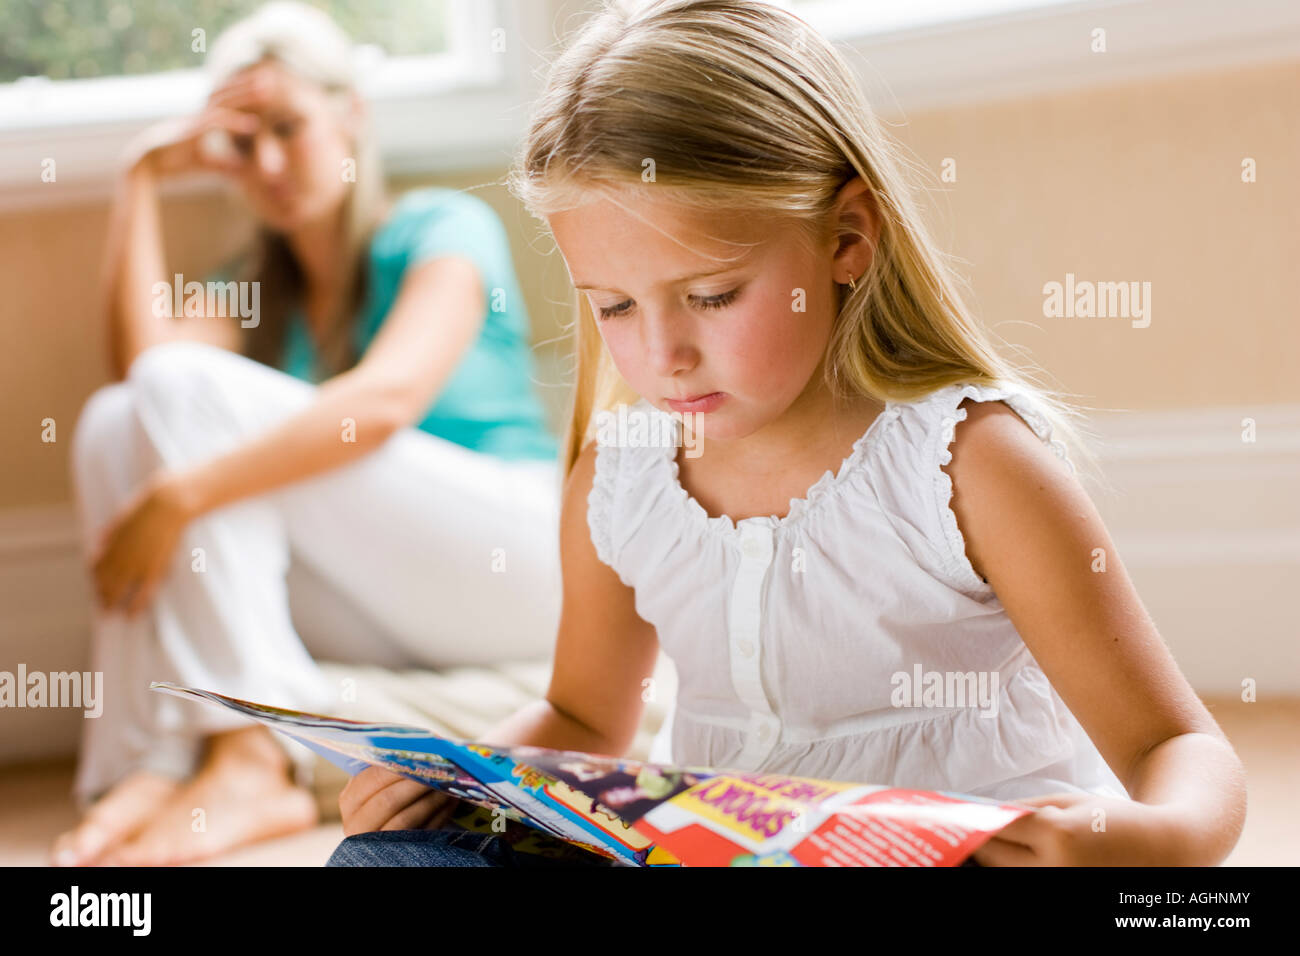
(488, 404)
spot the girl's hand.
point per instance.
(218, 137)
(136, 547)
(378, 799)
(1079, 829)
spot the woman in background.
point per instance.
(374, 420)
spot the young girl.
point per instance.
(749, 256)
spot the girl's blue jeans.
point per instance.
(450, 846)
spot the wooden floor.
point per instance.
(35, 805)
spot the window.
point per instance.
(854, 18)
(81, 39)
(80, 78)
(65, 63)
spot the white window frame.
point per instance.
(854, 19)
(1044, 48)
(447, 110)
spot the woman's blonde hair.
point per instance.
(741, 105)
(309, 44)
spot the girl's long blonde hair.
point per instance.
(742, 105)
(308, 43)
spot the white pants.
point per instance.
(421, 554)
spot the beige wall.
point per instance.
(1137, 182)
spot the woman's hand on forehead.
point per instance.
(246, 92)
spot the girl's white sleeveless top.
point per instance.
(803, 645)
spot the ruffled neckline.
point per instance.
(799, 507)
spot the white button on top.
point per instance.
(752, 548)
(764, 732)
(747, 647)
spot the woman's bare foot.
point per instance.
(242, 794)
(113, 818)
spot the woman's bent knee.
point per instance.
(170, 366)
(187, 385)
(101, 427)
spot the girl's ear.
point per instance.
(857, 229)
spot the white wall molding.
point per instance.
(1188, 475)
(1034, 52)
(44, 622)
(34, 530)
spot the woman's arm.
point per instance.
(133, 263)
(1032, 532)
(437, 315)
(133, 251)
(438, 311)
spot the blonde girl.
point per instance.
(883, 512)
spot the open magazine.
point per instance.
(563, 803)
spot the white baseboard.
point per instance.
(45, 623)
(1208, 527)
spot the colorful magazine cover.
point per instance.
(559, 803)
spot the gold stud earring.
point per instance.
(853, 287)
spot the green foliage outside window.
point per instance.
(65, 39)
